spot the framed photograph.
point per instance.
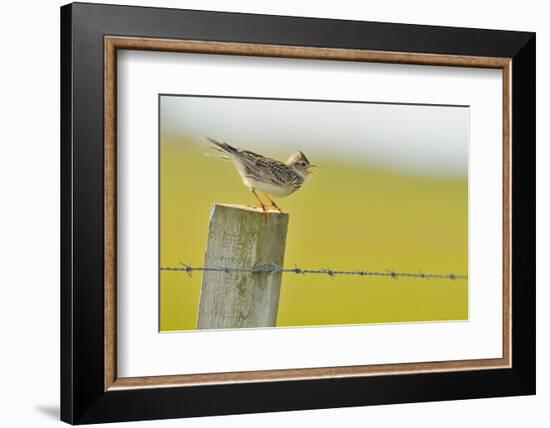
(265, 213)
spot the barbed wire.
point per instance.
(273, 268)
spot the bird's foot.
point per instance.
(273, 205)
(260, 207)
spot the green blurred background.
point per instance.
(349, 215)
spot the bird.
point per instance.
(266, 175)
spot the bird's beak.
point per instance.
(311, 166)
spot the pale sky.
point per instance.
(428, 140)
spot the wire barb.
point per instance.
(187, 268)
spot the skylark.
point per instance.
(265, 175)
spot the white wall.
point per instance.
(29, 183)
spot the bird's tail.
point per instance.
(221, 147)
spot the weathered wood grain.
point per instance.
(240, 237)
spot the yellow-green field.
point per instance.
(346, 217)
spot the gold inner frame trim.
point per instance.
(113, 43)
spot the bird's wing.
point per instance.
(261, 168)
(255, 164)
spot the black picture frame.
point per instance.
(83, 397)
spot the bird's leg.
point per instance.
(273, 204)
(262, 205)
(264, 209)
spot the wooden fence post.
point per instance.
(240, 237)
